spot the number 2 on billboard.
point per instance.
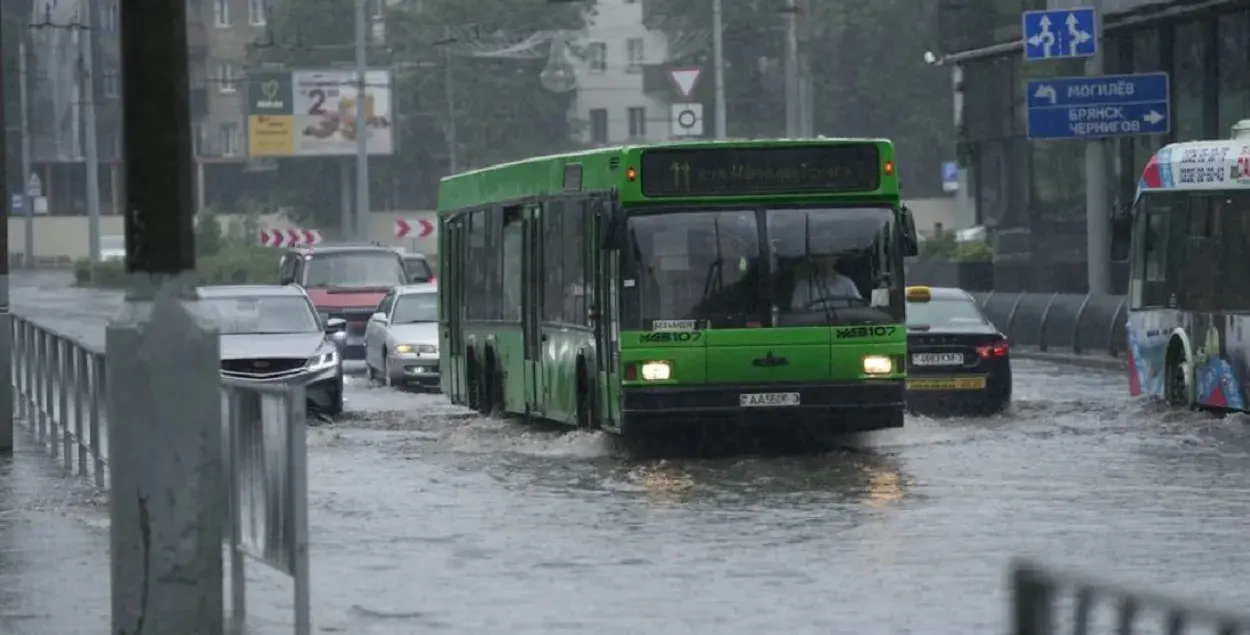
(319, 98)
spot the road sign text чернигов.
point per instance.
(1093, 107)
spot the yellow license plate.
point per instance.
(947, 383)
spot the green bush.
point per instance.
(978, 251)
(82, 272)
(239, 264)
(109, 274)
(941, 246)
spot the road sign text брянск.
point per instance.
(1060, 33)
(1096, 107)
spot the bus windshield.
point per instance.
(821, 267)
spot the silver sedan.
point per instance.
(273, 334)
(401, 339)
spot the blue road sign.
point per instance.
(16, 204)
(1097, 107)
(1060, 33)
(950, 176)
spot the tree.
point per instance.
(501, 110)
(868, 79)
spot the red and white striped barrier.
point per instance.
(289, 237)
(420, 228)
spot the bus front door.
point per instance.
(532, 308)
(453, 283)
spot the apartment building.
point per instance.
(612, 104)
(62, 76)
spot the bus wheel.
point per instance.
(473, 381)
(1178, 382)
(492, 393)
(585, 397)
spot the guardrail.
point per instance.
(1082, 324)
(59, 386)
(267, 469)
(1046, 601)
(60, 389)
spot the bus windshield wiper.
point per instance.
(713, 283)
(815, 279)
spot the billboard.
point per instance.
(312, 112)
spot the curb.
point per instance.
(1096, 360)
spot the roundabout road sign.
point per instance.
(686, 120)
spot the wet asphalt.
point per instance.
(427, 519)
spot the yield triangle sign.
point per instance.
(685, 79)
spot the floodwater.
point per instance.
(426, 518)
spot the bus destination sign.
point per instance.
(720, 171)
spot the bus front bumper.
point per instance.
(846, 407)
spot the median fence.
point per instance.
(1049, 601)
(60, 390)
(1082, 324)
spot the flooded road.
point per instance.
(428, 519)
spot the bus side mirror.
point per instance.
(1121, 236)
(911, 242)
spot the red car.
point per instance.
(345, 281)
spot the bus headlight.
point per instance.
(878, 365)
(656, 371)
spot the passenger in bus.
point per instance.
(820, 279)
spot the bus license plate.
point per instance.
(938, 359)
(768, 399)
(947, 383)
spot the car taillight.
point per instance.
(996, 349)
(631, 372)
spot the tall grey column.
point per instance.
(362, 122)
(6, 322)
(164, 401)
(792, 69)
(1097, 203)
(91, 140)
(718, 69)
(28, 202)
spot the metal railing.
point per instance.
(267, 469)
(59, 388)
(1084, 324)
(1047, 601)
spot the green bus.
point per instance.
(644, 288)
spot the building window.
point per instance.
(637, 122)
(1188, 73)
(110, 82)
(598, 125)
(636, 54)
(225, 78)
(229, 140)
(221, 13)
(257, 12)
(108, 17)
(1234, 88)
(197, 139)
(597, 57)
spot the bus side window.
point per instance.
(1233, 211)
(1154, 259)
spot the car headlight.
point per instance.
(878, 365)
(656, 371)
(323, 361)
